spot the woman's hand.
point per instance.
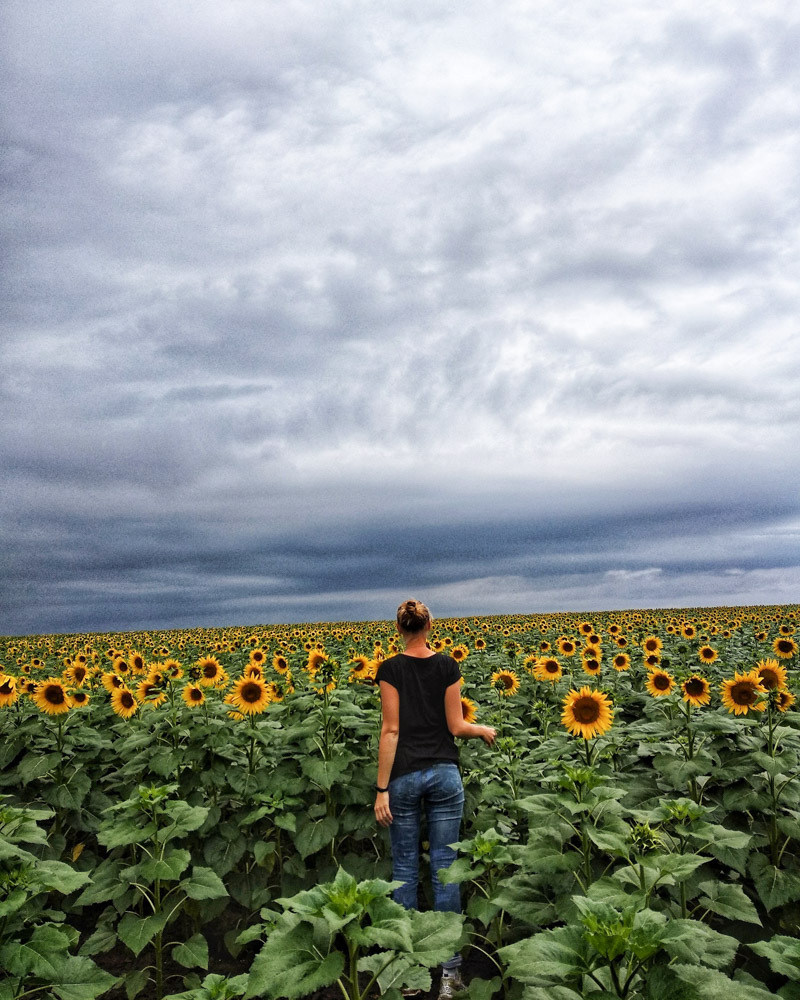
(488, 734)
(382, 812)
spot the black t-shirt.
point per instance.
(421, 682)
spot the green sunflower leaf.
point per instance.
(192, 953)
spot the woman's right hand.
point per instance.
(488, 734)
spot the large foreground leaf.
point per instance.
(289, 965)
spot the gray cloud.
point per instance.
(305, 309)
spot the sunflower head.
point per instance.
(51, 697)
(741, 694)
(548, 669)
(659, 683)
(193, 695)
(785, 647)
(505, 682)
(772, 674)
(250, 695)
(707, 654)
(587, 713)
(696, 691)
(469, 710)
(621, 662)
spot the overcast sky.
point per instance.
(312, 306)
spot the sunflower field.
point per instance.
(189, 814)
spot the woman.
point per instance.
(418, 765)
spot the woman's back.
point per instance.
(421, 682)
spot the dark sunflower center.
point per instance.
(620, 661)
(785, 645)
(79, 696)
(250, 692)
(196, 694)
(508, 682)
(567, 647)
(592, 665)
(744, 693)
(768, 678)
(209, 670)
(706, 653)
(138, 662)
(694, 687)
(5, 687)
(551, 667)
(126, 699)
(661, 681)
(54, 694)
(651, 645)
(79, 673)
(586, 710)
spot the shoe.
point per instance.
(451, 986)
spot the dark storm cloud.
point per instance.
(303, 309)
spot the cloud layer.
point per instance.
(305, 311)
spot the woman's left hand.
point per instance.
(382, 812)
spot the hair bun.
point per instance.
(412, 616)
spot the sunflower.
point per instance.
(120, 666)
(193, 695)
(593, 640)
(51, 697)
(315, 660)
(785, 701)
(111, 681)
(741, 694)
(505, 682)
(138, 666)
(80, 698)
(151, 693)
(280, 663)
(75, 675)
(652, 644)
(621, 662)
(707, 654)
(8, 690)
(566, 646)
(480, 644)
(360, 667)
(659, 683)
(772, 674)
(123, 702)
(696, 691)
(211, 672)
(586, 628)
(172, 669)
(469, 710)
(591, 665)
(587, 713)
(254, 670)
(548, 669)
(688, 631)
(460, 652)
(785, 647)
(249, 695)
(258, 657)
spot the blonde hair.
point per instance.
(412, 617)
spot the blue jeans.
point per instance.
(439, 788)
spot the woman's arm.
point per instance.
(455, 718)
(387, 748)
